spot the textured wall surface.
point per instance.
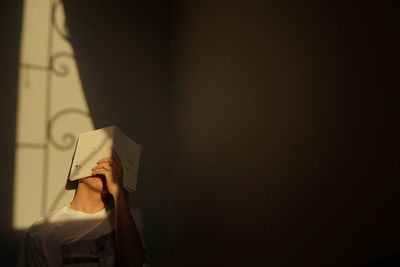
(284, 133)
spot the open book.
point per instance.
(95, 145)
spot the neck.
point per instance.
(87, 200)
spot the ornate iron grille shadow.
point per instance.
(54, 67)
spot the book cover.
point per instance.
(95, 145)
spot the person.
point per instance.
(96, 229)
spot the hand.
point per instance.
(111, 169)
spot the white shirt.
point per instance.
(69, 237)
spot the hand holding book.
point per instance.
(111, 169)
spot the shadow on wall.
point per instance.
(392, 261)
(10, 30)
(285, 119)
(121, 49)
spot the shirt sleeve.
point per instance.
(31, 253)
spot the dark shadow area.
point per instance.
(10, 31)
(285, 133)
(121, 49)
(390, 261)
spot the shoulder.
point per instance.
(42, 223)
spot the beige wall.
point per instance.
(284, 153)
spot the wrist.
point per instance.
(118, 193)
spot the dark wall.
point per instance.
(285, 140)
(10, 30)
(121, 48)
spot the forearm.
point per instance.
(130, 251)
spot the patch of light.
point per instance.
(52, 111)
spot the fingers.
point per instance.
(100, 172)
(104, 160)
(113, 159)
(105, 166)
(109, 163)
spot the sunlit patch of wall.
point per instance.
(51, 112)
